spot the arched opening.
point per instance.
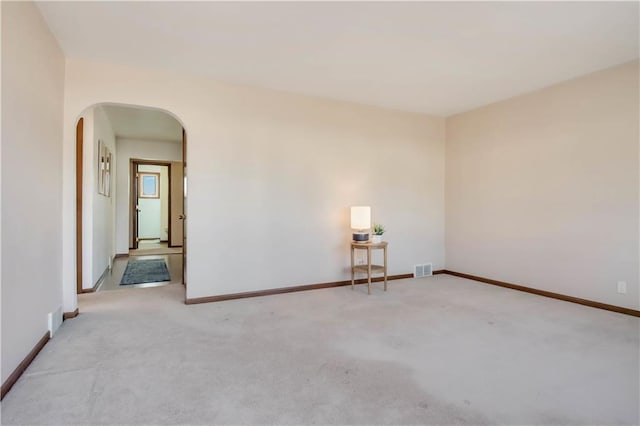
(130, 188)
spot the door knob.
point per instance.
(181, 216)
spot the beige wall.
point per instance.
(542, 189)
(272, 175)
(98, 210)
(32, 105)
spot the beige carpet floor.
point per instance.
(439, 350)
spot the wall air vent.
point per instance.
(423, 270)
(55, 321)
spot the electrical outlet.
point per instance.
(622, 287)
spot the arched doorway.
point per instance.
(120, 149)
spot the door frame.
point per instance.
(79, 171)
(79, 213)
(184, 210)
(133, 197)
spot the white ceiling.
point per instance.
(436, 58)
(143, 123)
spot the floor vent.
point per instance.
(424, 270)
(55, 321)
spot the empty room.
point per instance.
(320, 213)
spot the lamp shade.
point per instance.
(360, 217)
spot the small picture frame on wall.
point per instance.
(148, 185)
(107, 173)
(102, 164)
(104, 169)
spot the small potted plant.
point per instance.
(378, 230)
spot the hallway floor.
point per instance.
(113, 278)
(148, 247)
(438, 350)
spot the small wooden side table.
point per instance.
(368, 268)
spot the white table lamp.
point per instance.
(361, 222)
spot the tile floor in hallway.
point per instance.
(112, 280)
(146, 247)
